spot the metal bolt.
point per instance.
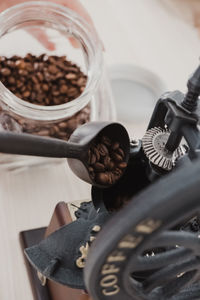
(134, 143)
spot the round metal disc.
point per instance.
(141, 254)
(153, 144)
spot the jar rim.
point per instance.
(91, 43)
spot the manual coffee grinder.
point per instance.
(137, 239)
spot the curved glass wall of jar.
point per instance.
(52, 75)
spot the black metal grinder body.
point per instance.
(150, 248)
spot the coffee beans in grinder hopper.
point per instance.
(106, 161)
(46, 81)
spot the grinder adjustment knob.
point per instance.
(153, 144)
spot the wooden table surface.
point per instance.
(141, 32)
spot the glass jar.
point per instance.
(93, 104)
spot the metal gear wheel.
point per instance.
(153, 144)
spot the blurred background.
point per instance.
(160, 36)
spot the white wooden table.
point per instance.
(141, 32)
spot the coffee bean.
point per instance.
(111, 178)
(20, 64)
(19, 84)
(29, 67)
(72, 92)
(62, 134)
(47, 101)
(102, 149)
(117, 172)
(34, 79)
(92, 159)
(52, 69)
(115, 146)
(45, 87)
(122, 165)
(70, 76)
(117, 157)
(81, 82)
(56, 100)
(58, 75)
(56, 93)
(11, 80)
(18, 95)
(107, 161)
(99, 167)
(40, 76)
(96, 152)
(111, 165)
(102, 178)
(63, 89)
(15, 57)
(23, 72)
(91, 169)
(43, 132)
(72, 123)
(120, 151)
(56, 131)
(62, 125)
(5, 72)
(26, 94)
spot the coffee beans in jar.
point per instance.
(52, 109)
(45, 81)
(106, 161)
